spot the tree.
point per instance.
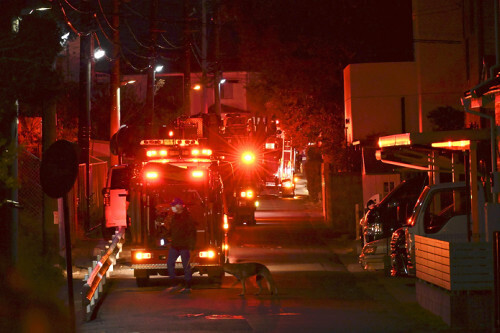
(300, 50)
(446, 118)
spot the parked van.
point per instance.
(393, 211)
(382, 220)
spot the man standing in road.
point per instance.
(183, 239)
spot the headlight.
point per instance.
(375, 228)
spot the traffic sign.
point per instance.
(59, 168)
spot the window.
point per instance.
(226, 91)
(388, 187)
(120, 179)
(443, 206)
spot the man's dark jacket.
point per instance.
(183, 231)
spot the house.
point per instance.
(452, 47)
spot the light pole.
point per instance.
(115, 78)
(84, 104)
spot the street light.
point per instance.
(124, 83)
(158, 68)
(99, 53)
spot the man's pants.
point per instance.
(173, 254)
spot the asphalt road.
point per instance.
(321, 286)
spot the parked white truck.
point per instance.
(441, 212)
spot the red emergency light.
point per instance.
(156, 153)
(248, 157)
(201, 152)
(246, 194)
(197, 173)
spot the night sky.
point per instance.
(373, 31)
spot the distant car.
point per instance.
(245, 206)
(287, 188)
(393, 211)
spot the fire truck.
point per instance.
(180, 168)
(242, 154)
(165, 168)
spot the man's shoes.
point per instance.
(173, 289)
(185, 291)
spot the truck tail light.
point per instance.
(207, 254)
(142, 255)
(106, 198)
(197, 173)
(246, 194)
(152, 175)
(256, 204)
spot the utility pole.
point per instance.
(115, 77)
(217, 62)
(187, 59)
(84, 124)
(150, 94)
(204, 80)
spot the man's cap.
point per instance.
(177, 201)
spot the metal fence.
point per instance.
(31, 193)
(30, 190)
(98, 274)
(98, 173)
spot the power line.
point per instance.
(68, 22)
(140, 70)
(74, 8)
(100, 27)
(135, 37)
(136, 54)
(105, 18)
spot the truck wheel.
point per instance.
(142, 281)
(237, 219)
(251, 220)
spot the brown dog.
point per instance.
(242, 271)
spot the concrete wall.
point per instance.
(375, 95)
(439, 45)
(374, 184)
